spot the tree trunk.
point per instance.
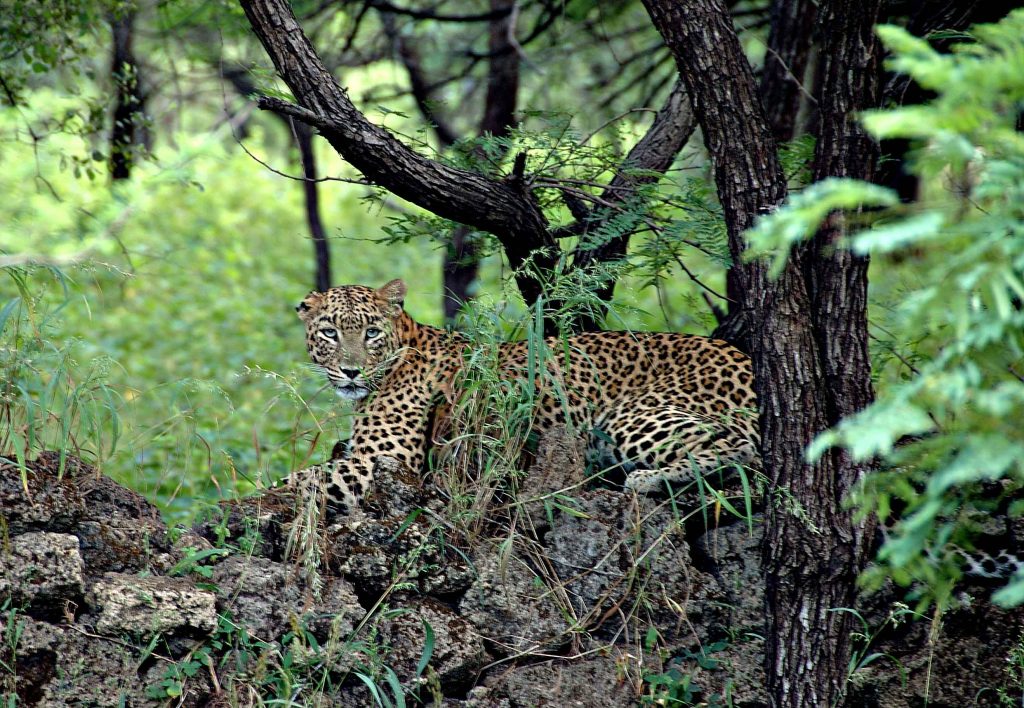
(129, 101)
(807, 583)
(797, 327)
(311, 194)
(785, 63)
(747, 172)
(462, 261)
(239, 78)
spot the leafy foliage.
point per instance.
(951, 378)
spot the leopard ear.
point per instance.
(309, 305)
(393, 294)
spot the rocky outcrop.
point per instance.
(596, 598)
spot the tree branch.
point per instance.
(785, 63)
(459, 195)
(654, 152)
(494, 14)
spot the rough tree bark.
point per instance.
(126, 133)
(747, 172)
(798, 329)
(801, 604)
(781, 90)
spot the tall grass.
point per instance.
(48, 400)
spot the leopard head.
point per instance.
(352, 334)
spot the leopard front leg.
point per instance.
(348, 482)
(343, 481)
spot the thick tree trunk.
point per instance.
(781, 91)
(811, 559)
(804, 588)
(129, 101)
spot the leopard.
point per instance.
(663, 406)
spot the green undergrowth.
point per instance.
(151, 323)
(168, 300)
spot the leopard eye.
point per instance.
(329, 333)
(372, 332)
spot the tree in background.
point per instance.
(128, 130)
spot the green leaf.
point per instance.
(428, 647)
(900, 234)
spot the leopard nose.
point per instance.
(351, 373)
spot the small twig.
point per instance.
(297, 178)
(118, 642)
(611, 120)
(697, 280)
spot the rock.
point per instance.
(30, 651)
(733, 555)
(974, 656)
(560, 465)
(621, 551)
(587, 683)
(41, 501)
(513, 608)
(118, 530)
(396, 491)
(60, 666)
(267, 597)
(371, 553)
(123, 546)
(121, 531)
(42, 570)
(258, 525)
(458, 651)
(145, 605)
